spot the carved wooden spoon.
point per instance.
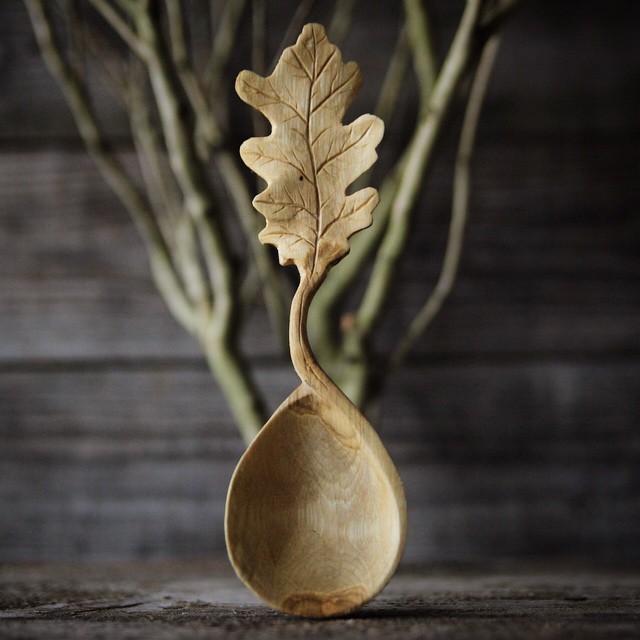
(315, 519)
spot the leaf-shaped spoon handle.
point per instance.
(310, 158)
(308, 161)
(315, 518)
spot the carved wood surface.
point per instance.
(316, 513)
(310, 158)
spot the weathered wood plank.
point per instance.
(75, 282)
(551, 59)
(32, 107)
(469, 408)
(118, 319)
(137, 462)
(177, 510)
(517, 435)
(194, 600)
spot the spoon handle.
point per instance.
(308, 161)
(302, 357)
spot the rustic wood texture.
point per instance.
(315, 519)
(515, 425)
(203, 600)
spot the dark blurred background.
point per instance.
(515, 422)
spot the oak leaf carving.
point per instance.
(310, 157)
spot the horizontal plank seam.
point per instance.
(610, 357)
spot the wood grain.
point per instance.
(520, 406)
(315, 520)
(75, 283)
(200, 600)
(94, 464)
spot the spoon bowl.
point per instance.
(315, 519)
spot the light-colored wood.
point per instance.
(316, 516)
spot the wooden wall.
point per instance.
(515, 424)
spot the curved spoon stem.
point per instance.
(304, 362)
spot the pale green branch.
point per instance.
(394, 77)
(216, 327)
(420, 37)
(186, 166)
(119, 25)
(252, 223)
(341, 20)
(206, 130)
(223, 44)
(164, 195)
(420, 151)
(419, 154)
(459, 208)
(75, 93)
(342, 276)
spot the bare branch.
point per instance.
(119, 25)
(215, 329)
(183, 156)
(162, 266)
(460, 207)
(341, 20)
(342, 276)
(164, 194)
(161, 184)
(294, 28)
(421, 40)
(206, 126)
(271, 284)
(420, 151)
(419, 154)
(223, 43)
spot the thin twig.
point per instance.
(110, 61)
(161, 263)
(271, 284)
(206, 127)
(76, 56)
(223, 43)
(341, 20)
(391, 88)
(419, 154)
(459, 208)
(119, 25)
(162, 188)
(497, 13)
(258, 58)
(424, 56)
(420, 151)
(295, 27)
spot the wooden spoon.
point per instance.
(315, 519)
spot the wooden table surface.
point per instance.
(204, 600)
